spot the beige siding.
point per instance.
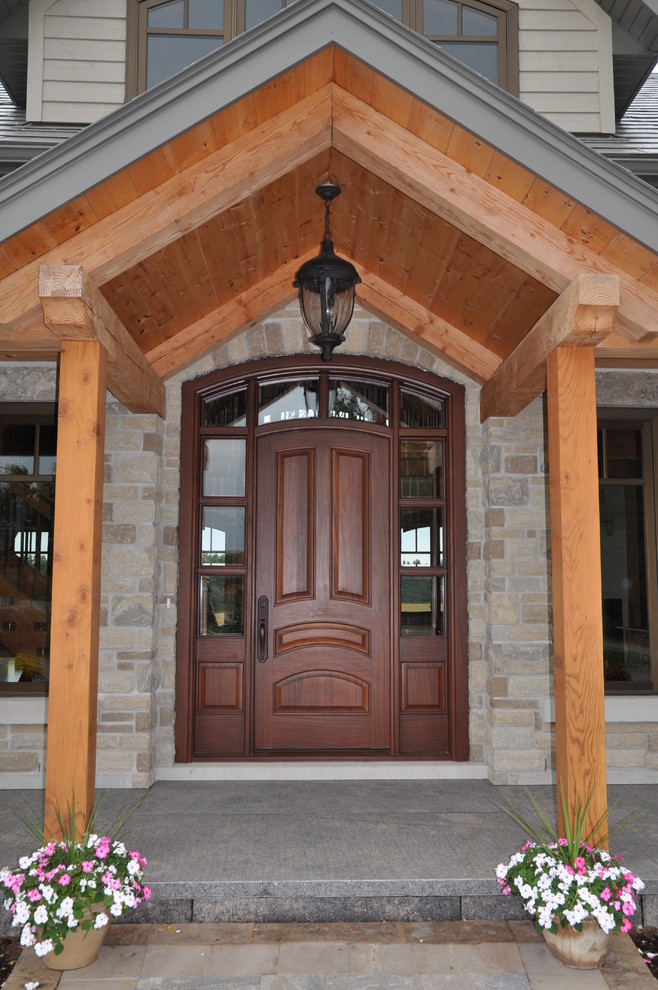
(77, 59)
(78, 51)
(565, 63)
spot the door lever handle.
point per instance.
(261, 648)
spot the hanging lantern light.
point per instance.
(327, 288)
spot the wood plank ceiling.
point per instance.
(456, 243)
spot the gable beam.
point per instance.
(474, 206)
(581, 317)
(178, 205)
(73, 308)
(416, 322)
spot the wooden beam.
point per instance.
(581, 317)
(228, 320)
(178, 205)
(73, 308)
(476, 207)
(412, 319)
(576, 568)
(71, 740)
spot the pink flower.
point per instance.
(107, 877)
(506, 891)
(34, 895)
(562, 842)
(628, 909)
(626, 925)
(606, 894)
(147, 893)
(64, 880)
(87, 866)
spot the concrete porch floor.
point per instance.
(337, 851)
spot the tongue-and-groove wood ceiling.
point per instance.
(455, 242)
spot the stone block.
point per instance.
(114, 760)
(521, 464)
(139, 468)
(114, 533)
(134, 611)
(508, 491)
(21, 762)
(503, 609)
(494, 549)
(494, 518)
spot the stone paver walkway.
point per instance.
(368, 956)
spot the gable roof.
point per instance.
(191, 207)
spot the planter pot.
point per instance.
(580, 950)
(80, 949)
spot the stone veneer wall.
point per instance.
(509, 645)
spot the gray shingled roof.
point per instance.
(635, 145)
(19, 142)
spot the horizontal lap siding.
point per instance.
(84, 54)
(565, 63)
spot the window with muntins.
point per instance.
(27, 499)
(627, 509)
(174, 33)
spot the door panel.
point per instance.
(322, 560)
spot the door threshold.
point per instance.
(325, 770)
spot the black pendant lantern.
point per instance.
(327, 287)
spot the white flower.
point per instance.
(31, 985)
(41, 915)
(65, 908)
(27, 937)
(116, 909)
(22, 913)
(101, 919)
(43, 948)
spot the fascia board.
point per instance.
(290, 38)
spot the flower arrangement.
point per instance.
(72, 884)
(565, 880)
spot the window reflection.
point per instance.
(224, 467)
(422, 606)
(364, 402)
(222, 536)
(221, 611)
(421, 537)
(281, 401)
(421, 469)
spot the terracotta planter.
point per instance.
(80, 949)
(580, 950)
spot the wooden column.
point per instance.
(576, 562)
(71, 749)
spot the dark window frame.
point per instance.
(38, 414)
(646, 421)
(505, 11)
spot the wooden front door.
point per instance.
(322, 604)
(323, 671)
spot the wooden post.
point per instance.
(576, 553)
(71, 749)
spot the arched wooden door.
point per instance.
(322, 605)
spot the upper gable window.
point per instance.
(484, 36)
(174, 33)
